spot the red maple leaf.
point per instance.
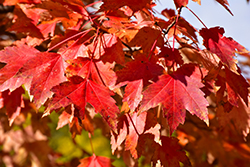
(14, 2)
(140, 68)
(225, 4)
(13, 102)
(225, 48)
(146, 42)
(38, 71)
(170, 153)
(95, 161)
(46, 71)
(99, 72)
(135, 5)
(15, 57)
(80, 91)
(171, 56)
(177, 92)
(23, 24)
(180, 3)
(112, 46)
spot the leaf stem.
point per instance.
(175, 26)
(99, 74)
(197, 17)
(92, 56)
(90, 140)
(165, 32)
(65, 40)
(133, 124)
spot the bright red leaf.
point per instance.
(46, 71)
(13, 102)
(140, 68)
(15, 57)
(112, 46)
(95, 161)
(100, 73)
(177, 92)
(82, 91)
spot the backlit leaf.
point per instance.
(224, 47)
(46, 71)
(178, 93)
(15, 57)
(80, 91)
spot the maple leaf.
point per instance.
(81, 91)
(142, 39)
(135, 5)
(171, 56)
(54, 8)
(95, 161)
(13, 102)
(177, 92)
(108, 48)
(112, 46)
(64, 119)
(15, 57)
(100, 73)
(133, 94)
(239, 116)
(140, 68)
(170, 153)
(14, 2)
(240, 87)
(75, 49)
(180, 3)
(122, 130)
(225, 4)
(137, 122)
(209, 60)
(225, 48)
(23, 24)
(46, 71)
(38, 71)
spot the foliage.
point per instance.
(132, 88)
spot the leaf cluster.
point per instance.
(147, 83)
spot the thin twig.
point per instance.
(133, 124)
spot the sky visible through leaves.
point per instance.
(213, 14)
